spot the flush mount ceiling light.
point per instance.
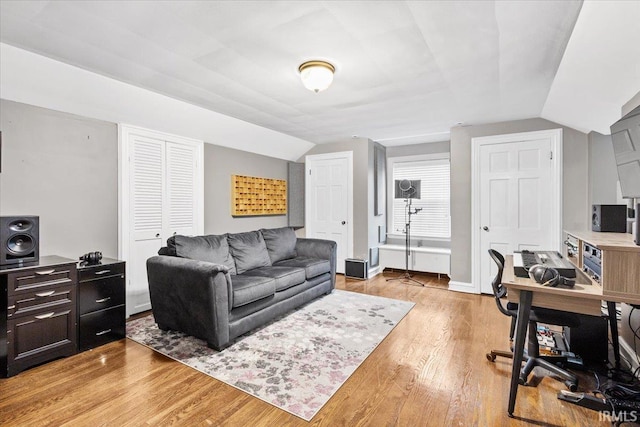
(316, 75)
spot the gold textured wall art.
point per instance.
(251, 195)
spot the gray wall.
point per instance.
(419, 149)
(219, 164)
(603, 175)
(63, 168)
(575, 170)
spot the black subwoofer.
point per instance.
(19, 239)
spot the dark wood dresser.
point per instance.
(38, 320)
(101, 303)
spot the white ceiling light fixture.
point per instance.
(316, 75)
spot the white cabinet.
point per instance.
(161, 194)
(431, 260)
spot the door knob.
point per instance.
(344, 222)
(485, 228)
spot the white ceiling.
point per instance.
(407, 71)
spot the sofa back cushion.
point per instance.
(281, 243)
(210, 248)
(248, 250)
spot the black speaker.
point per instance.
(610, 218)
(19, 239)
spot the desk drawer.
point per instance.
(101, 327)
(100, 271)
(39, 278)
(100, 294)
(26, 303)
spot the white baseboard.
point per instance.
(374, 271)
(462, 287)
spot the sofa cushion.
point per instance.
(248, 250)
(285, 277)
(312, 266)
(281, 243)
(210, 248)
(247, 289)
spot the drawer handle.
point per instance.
(45, 272)
(103, 299)
(45, 294)
(101, 272)
(45, 316)
(106, 331)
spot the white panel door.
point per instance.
(146, 191)
(328, 202)
(517, 201)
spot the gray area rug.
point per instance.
(296, 362)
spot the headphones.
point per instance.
(91, 258)
(548, 276)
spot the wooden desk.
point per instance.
(585, 297)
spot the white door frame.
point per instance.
(329, 156)
(555, 135)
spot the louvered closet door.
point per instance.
(181, 185)
(147, 189)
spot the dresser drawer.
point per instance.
(40, 337)
(101, 271)
(27, 303)
(101, 327)
(100, 294)
(35, 279)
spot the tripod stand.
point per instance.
(407, 254)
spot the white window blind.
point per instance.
(434, 220)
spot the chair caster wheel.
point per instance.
(491, 357)
(522, 381)
(571, 385)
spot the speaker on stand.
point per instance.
(19, 239)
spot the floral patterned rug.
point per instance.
(296, 362)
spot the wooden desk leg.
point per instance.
(524, 309)
(613, 325)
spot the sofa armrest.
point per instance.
(321, 249)
(191, 296)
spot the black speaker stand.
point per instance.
(407, 254)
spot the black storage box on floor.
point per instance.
(356, 268)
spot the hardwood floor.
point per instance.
(430, 371)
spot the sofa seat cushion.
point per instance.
(285, 277)
(248, 250)
(312, 266)
(247, 289)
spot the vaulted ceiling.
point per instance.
(406, 71)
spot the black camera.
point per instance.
(91, 258)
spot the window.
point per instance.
(434, 218)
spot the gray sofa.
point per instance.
(217, 288)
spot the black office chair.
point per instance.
(538, 315)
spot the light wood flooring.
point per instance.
(430, 371)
